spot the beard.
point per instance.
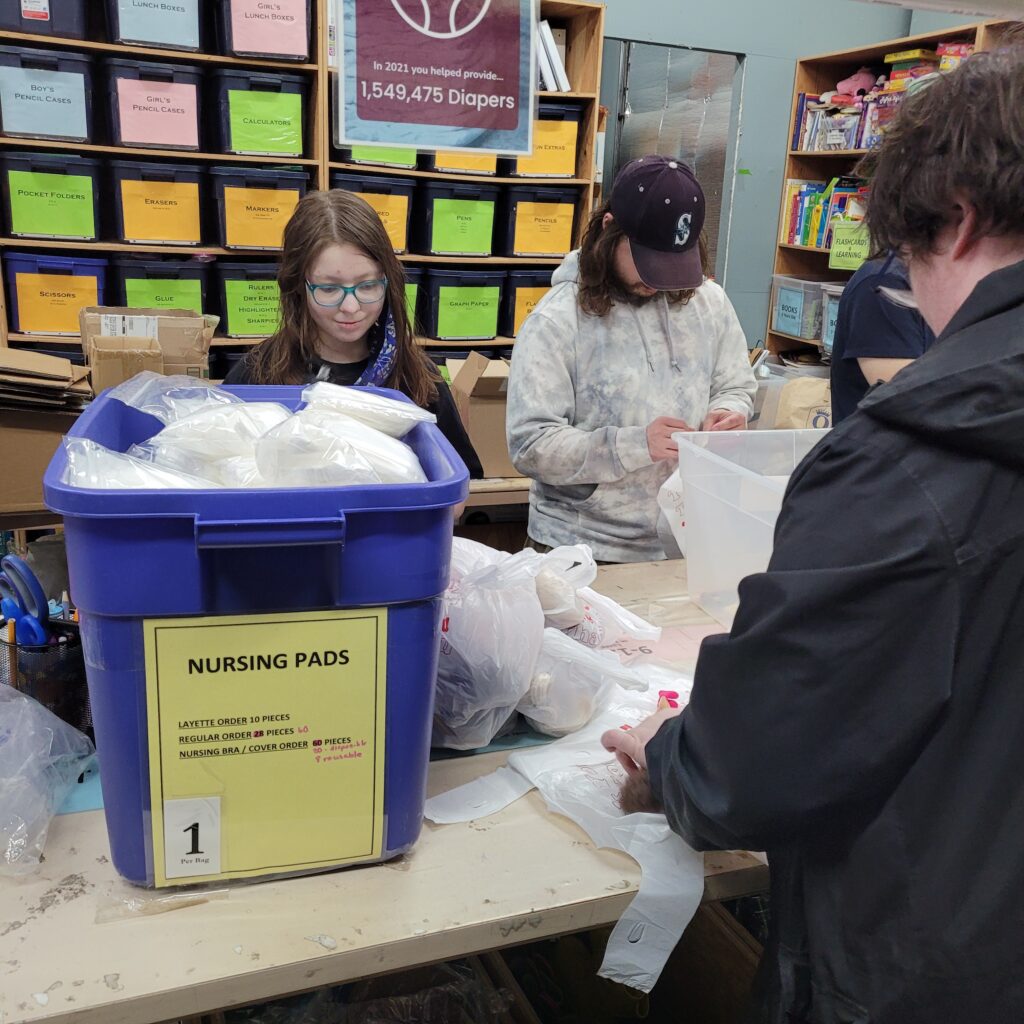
(620, 293)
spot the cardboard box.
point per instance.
(28, 440)
(31, 380)
(184, 338)
(479, 386)
(115, 360)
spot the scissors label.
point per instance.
(266, 742)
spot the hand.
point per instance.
(723, 419)
(659, 438)
(629, 745)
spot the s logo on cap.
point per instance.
(683, 229)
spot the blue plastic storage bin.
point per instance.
(46, 94)
(139, 555)
(75, 283)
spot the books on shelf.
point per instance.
(811, 209)
(554, 78)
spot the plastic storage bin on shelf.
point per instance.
(537, 221)
(159, 284)
(414, 278)
(455, 219)
(45, 293)
(523, 290)
(261, 665)
(153, 105)
(50, 195)
(45, 94)
(252, 28)
(248, 298)
(463, 304)
(391, 197)
(733, 483)
(555, 134)
(460, 163)
(830, 294)
(796, 307)
(253, 206)
(258, 112)
(156, 203)
(175, 25)
(44, 17)
(379, 156)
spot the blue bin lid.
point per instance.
(260, 173)
(36, 54)
(152, 167)
(562, 111)
(160, 264)
(378, 180)
(248, 269)
(258, 76)
(148, 66)
(73, 163)
(543, 193)
(446, 189)
(472, 276)
(52, 261)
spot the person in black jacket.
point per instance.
(343, 314)
(863, 722)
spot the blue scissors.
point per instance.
(22, 599)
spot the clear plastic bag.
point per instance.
(469, 555)
(492, 631)
(571, 684)
(561, 573)
(672, 517)
(91, 465)
(605, 622)
(387, 415)
(171, 398)
(41, 757)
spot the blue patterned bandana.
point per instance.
(383, 351)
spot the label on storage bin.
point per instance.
(51, 205)
(270, 26)
(266, 742)
(49, 303)
(554, 150)
(171, 22)
(265, 122)
(252, 307)
(851, 245)
(394, 213)
(37, 10)
(167, 293)
(472, 163)
(463, 226)
(395, 156)
(158, 113)
(43, 103)
(160, 211)
(543, 229)
(255, 218)
(526, 299)
(468, 312)
(789, 311)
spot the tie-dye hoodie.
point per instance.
(582, 392)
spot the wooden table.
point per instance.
(499, 490)
(519, 875)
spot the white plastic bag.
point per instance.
(605, 622)
(571, 684)
(171, 398)
(241, 472)
(388, 415)
(469, 555)
(491, 634)
(672, 520)
(561, 574)
(91, 465)
(41, 758)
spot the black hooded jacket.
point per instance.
(864, 720)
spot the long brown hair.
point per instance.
(322, 219)
(599, 283)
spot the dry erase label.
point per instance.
(266, 742)
(192, 837)
(37, 10)
(49, 103)
(170, 22)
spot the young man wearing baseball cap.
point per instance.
(631, 345)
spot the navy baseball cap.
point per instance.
(659, 205)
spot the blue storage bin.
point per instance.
(56, 18)
(76, 283)
(195, 554)
(50, 195)
(46, 94)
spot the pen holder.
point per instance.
(53, 674)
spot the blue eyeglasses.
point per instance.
(366, 292)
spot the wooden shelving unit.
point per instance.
(584, 23)
(816, 75)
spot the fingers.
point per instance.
(628, 750)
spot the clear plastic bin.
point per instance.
(733, 485)
(796, 307)
(831, 294)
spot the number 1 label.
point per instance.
(192, 837)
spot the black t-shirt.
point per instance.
(443, 407)
(871, 326)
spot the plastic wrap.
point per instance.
(387, 415)
(605, 622)
(41, 757)
(171, 398)
(93, 466)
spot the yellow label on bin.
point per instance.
(543, 229)
(554, 150)
(526, 299)
(160, 211)
(256, 217)
(266, 742)
(467, 163)
(49, 303)
(394, 213)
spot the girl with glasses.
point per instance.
(343, 314)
